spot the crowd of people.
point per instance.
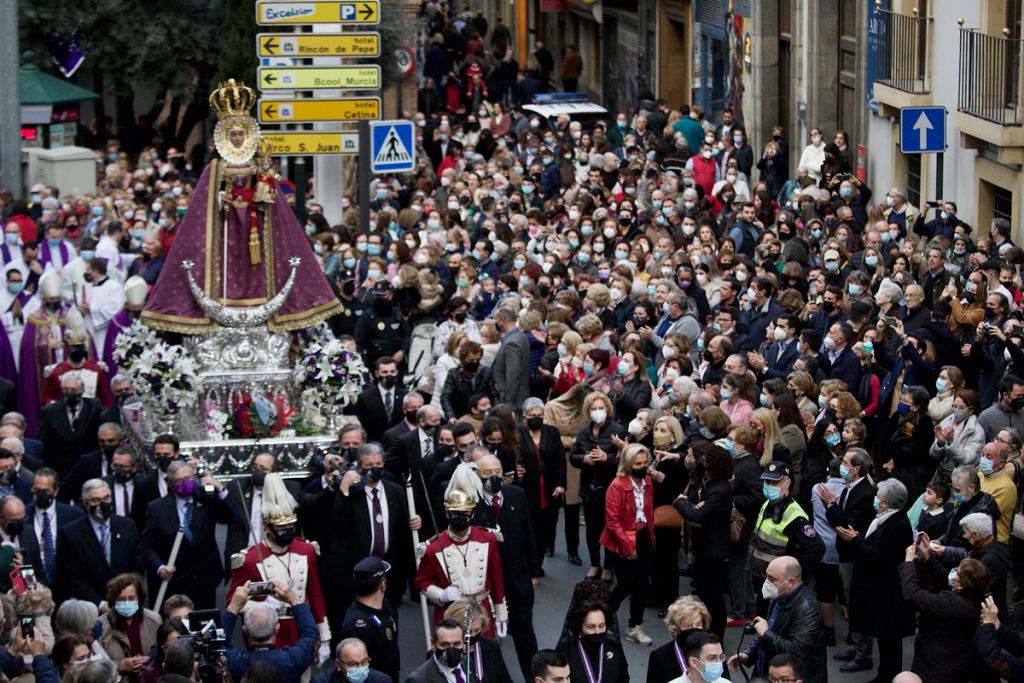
(807, 401)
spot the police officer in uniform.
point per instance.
(382, 331)
(352, 309)
(782, 528)
(369, 617)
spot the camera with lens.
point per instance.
(748, 629)
(210, 645)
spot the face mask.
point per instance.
(769, 590)
(712, 671)
(638, 472)
(940, 385)
(845, 473)
(902, 408)
(772, 493)
(986, 466)
(729, 446)
(833, 440)
(871, 261)
(725, 394)
(184, 489)
(458, 521)
(373, 250)
(854, 289)
(829, 343)
(359, 674)
(592, 639)
(959, 498)
(493, 485)
(598, 416)
(102, 511)
(875, 504)
(890, 201)
(126, 608)
(72, 400)
(960, 415)
(15, 287)
(283, 537)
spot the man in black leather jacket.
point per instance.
(794, 625)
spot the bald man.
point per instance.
(796, 627)
(503, 509)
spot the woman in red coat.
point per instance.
(629, 535)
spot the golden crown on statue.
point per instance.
(232, 98)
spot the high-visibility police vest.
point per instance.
(769, 540)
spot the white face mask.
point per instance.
(636, 427)
(688, 229)
(598, 416)
(769, 591)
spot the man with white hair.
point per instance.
(260, 626)
(352, 665)
(15, 446)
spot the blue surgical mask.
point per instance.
(373, 249)
(845, 473)
(357, 675)
(583, 257)
(588, 369)
(126, 608)
(349, 263)
(902, 408)
(729, 446)
(833, 440)
(764, 401)
(15, 287)
(869, 346)
(711, 673)
(88, 255)
(854, 289)
(562, 351)
(772, 493)
(12, 239)
(725, 394)
(874, 504)
(97, 211)
(871, 261)
(940, 385)
(952, 575)
(706, 433)
(822, 401)
(986, 466)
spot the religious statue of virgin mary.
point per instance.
(240, 247)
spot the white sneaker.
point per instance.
(636, 635)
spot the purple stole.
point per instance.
(36, 355)
(44, 254)
(118, 324)
(6, 251)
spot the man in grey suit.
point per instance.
(511, 367)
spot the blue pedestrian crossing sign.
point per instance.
(923, 130)
(392, 148)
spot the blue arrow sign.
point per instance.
(923, 130)
(392, 148)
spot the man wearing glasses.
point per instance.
(785, 668)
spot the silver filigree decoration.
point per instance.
(239, 349)
(230, 316)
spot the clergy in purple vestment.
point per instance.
(135, 291)
(240, 235)
(42, 346)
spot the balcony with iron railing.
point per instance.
(903, 74)
(989, 107)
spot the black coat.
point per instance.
(405, 458)
(547, 462)
(663, 665)
(82, 570)
(798, 630)
(88, 466)
(519, 561)
(616, 666)
(1002, 651)
(877, 607)
(709, 524)
(371, 414)
(855, 508)
(62, 445)
(747, 492)
(458, 389)
(32, 544)
(594, 479)
(943, 649)
(635, 395)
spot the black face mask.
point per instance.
(493, 485)
(52, 306)
(534, 423)
(410, 415)
(382, 307)
(451, 657)
(471, 366)
(388, 381)
(102, 511)
(283, 537)
(164, 461)
(828, 306)
(348, 288)
(638, 472)
(430, 430)
(708, 357)
(258, 477)
(1017, 403)
(639, 322)
(43, 500)
(592, 639)
(458, 521)
(15, 528)
(373, 474)
(460, 317)
(72, 400)
(108, 450)
(121, 476)
(445, 450)
(990, 313)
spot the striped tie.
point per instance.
(105, 539)
(49, 552)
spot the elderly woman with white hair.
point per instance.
(79, 617)
(877, 608)
(543, 458)
(684, 617)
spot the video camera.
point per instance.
(210, 644)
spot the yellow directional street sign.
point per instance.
(312, 111)
(318, 77)
(318, 45)
(307, 144)
(358, 12)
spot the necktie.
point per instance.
(457, 672)
(428, 448)
(74, 420)
(105, 539)
(496, 506)
(378, 549)
(49, 552)
(187, 524)
(389, 404)
(125, 503)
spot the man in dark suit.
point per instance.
(8, 395)
(95, 548)
(124, 480)
(94, 464)
(15, 445)
(369, 516)
(154, 484)
(377, 406)
(411, 404)
(68, 427)
(764, 309)
(777, 362)
(840, 361)
(10, 483)
(350, 654)
(317, 527)
(196, 507)
(121, 387)
(242, 534)
(44, 519)
(853, 508)
(414, 455)
(447, 635)
(511, 367)
(504, 509)
(33, 447)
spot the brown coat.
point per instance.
(115, 641)
(572, 64)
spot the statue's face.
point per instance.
(237, 137)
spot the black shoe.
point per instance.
(845, 655)
(857, 664)
(575, 559)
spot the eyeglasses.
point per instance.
(784, 679)
(353, 665)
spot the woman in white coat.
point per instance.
(958, 438)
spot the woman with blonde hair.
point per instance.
(770, 446)
(594, 453)
(487, 662)
(565, 414)
(684, 617)
(804, 391)
(948, 385)
(628, 534)
(569, 372)
(669, 477)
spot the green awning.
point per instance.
(37, 87)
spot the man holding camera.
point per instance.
(260, 626)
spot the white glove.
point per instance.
(324, 654)
(451, 594)
(501, 628)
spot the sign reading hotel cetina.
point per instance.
(318, 77)
(360, 12)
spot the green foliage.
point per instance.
(237, 35)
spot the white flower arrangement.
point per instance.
(162, 374)
(326, 371)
